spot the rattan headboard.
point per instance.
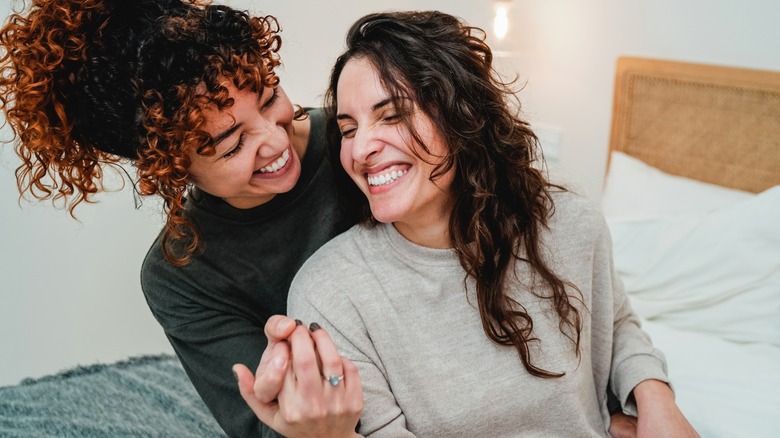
(715, 124)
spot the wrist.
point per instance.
(651, 392)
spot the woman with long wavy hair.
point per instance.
(186, 91)
(475, 297)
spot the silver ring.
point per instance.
(334, 380)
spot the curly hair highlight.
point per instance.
(85, 83)
(54, 164)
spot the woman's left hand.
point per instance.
(322, 394)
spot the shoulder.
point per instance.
(168, 288)
(339, 265)
(343, 252)
(570, 209)
(159, 279)
(153, 268)
(157, 273)
(575, 218)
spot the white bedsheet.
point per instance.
(701, 265)
(725, 389)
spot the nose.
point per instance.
(366, 144)
(274, 140)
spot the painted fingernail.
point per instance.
(314, 327)
(298, 322)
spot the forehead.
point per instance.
(359, 78)
(216, 118)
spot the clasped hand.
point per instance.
(302, 387)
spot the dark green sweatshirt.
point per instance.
(213, 310)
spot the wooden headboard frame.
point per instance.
(715, 124)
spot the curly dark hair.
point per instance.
(502, 201)
(88, 83)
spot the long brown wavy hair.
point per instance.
(89, 83)
(502, 202)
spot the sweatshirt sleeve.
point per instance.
(315, 296)
(207, 347)
(634, 358)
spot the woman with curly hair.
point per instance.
(475, 297)
(186, 91)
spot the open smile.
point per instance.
(277, 164)
(378, 180)
(386, 178)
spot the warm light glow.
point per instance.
(501, 22)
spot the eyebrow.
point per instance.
(222, 136)
(375, 107)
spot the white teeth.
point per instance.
(278, 164)
(386, 178)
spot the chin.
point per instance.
(384, 216)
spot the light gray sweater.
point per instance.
(404, 315)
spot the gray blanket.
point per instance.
(147, 396)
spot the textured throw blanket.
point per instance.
(147, 396)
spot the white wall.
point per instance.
(569, 49)
(69, 291)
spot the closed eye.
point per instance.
(235, 148)
(348, 132)
(268, 103)
(393, 118)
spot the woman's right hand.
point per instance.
(309, 404)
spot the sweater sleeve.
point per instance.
(315, 296)
(634, 359)
(208, 346)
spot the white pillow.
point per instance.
(716, 273)
(635, 190)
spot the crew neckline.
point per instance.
(418, 254)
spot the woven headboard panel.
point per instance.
(715, 124)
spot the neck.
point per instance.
(429, 233)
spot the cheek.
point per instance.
(348, 164)
(287, 112)
(345, 155)
(194, 170)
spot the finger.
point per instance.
(268, 383)
(304, 361)
(277, 328)
(290, 398)
(328, 354)
(352, 385)
(351, 375)
(264, 411)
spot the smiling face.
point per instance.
(378, 153)
(255, 158)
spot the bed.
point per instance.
(692, 198)
(144, 396)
